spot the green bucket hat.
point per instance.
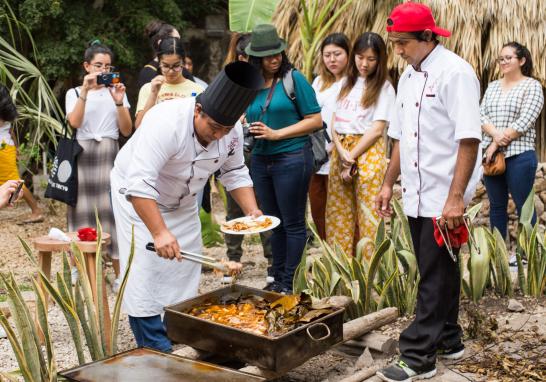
(265, 41)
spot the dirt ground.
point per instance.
(501, 345)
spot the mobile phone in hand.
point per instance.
(15, 193)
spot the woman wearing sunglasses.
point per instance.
(170, 83)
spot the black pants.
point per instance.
(435, 324)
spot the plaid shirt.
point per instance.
(517, 108)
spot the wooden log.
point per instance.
(365, 324)
(375, 341)
(361, 375)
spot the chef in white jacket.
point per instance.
(155, 180)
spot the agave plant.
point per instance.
(76, 303)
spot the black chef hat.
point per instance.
(230, 93)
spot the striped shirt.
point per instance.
(517, 108)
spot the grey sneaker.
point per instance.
(451, 353)
(401, 372)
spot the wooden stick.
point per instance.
(365, 324)
(375, 341)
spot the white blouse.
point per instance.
(100, 119)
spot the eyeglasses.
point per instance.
(504, 59)
(175, 68)
(100, 65)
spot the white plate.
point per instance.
(247, 219)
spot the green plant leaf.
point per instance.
(528, 209)
(244, 15)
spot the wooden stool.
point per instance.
(46, 246)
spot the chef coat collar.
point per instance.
(212, 151)
(429, 59)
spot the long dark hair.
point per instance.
(8, 111)
(171, 45)
(157, 30)
(375, 80)
(236, 48)
(283, 69)
(337, 39)
(522, 52)
(96, 47)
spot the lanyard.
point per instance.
(268, 100)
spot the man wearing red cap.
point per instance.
(436, 132)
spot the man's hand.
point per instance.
(256, 213)
(383, 201)
(453, 212)
(167, 246)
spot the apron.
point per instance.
(155, 282)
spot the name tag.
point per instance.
(430, 95)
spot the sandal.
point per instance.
(31, 220)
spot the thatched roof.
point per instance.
(479, 28)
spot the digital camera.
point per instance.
(108, 79)
(248, 138)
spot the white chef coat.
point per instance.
(327, 101)
(435, 108)
(165, 162)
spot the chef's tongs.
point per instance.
(196, 258)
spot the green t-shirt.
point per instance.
(281, 113)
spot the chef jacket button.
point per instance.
(414, 134)
(417, 104)
(426, 74)
(404, 190)
(409, 75)
(402, 104)
(192, 163)
(417, 192)
(415, 164)
(216, 161)
(193, 194)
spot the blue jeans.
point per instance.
(281, 182)
(518, 180)
(150, 332)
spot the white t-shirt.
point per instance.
(5, 136)
(100, 117)
(327, 102)
(352, 118)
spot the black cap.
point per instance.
(230, 93)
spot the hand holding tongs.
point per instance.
(445, 236)
(196, 258)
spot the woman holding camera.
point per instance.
(171, 83)
(99, 111)
(282, 160)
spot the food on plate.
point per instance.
(248, 225)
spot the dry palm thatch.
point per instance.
(479, 28)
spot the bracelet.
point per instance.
(119, 104)
(83, 99)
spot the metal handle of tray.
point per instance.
(320, 338)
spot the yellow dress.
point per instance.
(8, 163)
(352, 203)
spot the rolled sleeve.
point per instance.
(152, 151)
(385, 104)
(530, 109)
(70, 100)
(484, 118)
(462, 95)
(395, 127)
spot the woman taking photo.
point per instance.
(335, 57)
(358, 162)
(171, 83)
(282, 160)
(98, 113)
(8, 153)
(509, 110)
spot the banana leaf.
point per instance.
(244, 15)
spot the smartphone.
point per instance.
(15, 193)
(108, 78)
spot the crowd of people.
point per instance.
(251, 127)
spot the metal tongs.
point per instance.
(447, 241)
(196, 258)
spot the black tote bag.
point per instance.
(62, 184)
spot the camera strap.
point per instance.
(268, 99)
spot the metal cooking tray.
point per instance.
(277, 354)
(145, 365)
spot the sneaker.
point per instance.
(3, 332)
(453, 353)
(274, 287)
(227, 279)
(116, 285)
(401, 372)
(513, 261)
(74, 275)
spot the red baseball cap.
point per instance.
(413, 17)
